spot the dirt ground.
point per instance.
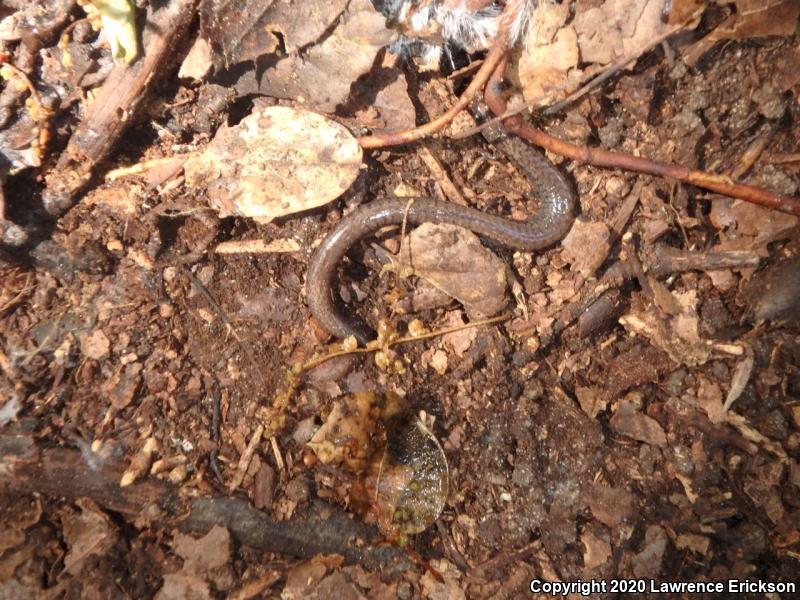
(600, 452)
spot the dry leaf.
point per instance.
(89, 533)
(611, 506)
(276, 162)
(709, 396)
(677, 335)
(453, 259)
(590, 400)
(346, 435)
(692, 541)
(208, 552)
(648, 562)
(246, 30)
(586, 246)
(95, 345)
(321, 75)
(618, 28)
(548, 65)
(759, 18)
(597, 550)
(629, 421)
(182, 586)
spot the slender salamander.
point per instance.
(550, 223)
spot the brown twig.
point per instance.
(599, 157)
(120, 96)
(29, 468)
(496, 53)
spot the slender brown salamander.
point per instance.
(550, 223)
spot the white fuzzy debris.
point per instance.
(473, 31)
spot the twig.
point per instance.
(114, 106)
(609, 72)
(666, 260)
(63, 473)
(599, 157)
(245, 458)
(496, 53)
(440, 175)
(213, 463)
(198, 285)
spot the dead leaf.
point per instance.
(694, 542)
(246, 30)
(629, 421)
(678, 336)
(208, 552)
(591, 401)
(198, 62)
(275, 162)
(461, 340)
(446, 588)
(392, 107)
(302, 579)
(548, 65)
(346, 435)
(648, 562)
(321, 75)
(758, 18)
(597, 550)
(755, 226)
(95, 345)
(183, 586)
(618, 28)
(680, 11)
(586, 246)
(88, 534)
(454, 260)
(121, 388)
(709, 396)
(610, 506)
(438, 362)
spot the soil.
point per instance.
(570, 456)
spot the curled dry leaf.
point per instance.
(276, 162)
(403, 469)
(454, 260)
(413, 478)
